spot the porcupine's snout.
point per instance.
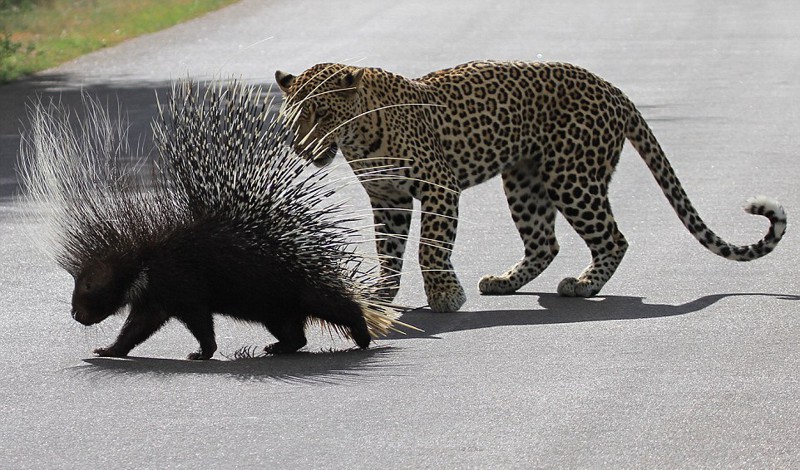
(86, 317)
(81, 317)
(99, 293)
(91, 308)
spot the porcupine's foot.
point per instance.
(199, 356)
(110, 351)
(283, 347)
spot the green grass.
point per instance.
(39, 34)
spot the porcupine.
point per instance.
(230, 223)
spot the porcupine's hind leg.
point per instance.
(534, 215)
(290, 333)
(347, 314)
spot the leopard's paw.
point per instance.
(571, 287)
(496, 285)
(448, 299)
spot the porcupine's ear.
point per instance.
(284, 80)
(351, 80)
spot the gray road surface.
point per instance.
(687, 360)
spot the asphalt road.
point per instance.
(686, 360)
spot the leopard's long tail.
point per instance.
(639, 134)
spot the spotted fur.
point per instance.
(553, 131)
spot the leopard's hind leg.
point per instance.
(534, 215)
(586, 207)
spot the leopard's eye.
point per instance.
(321, 112)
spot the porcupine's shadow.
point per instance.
(350, 365)
(558, 310)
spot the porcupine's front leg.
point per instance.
(201, 324)
(392, 217)
(437, 238)
(139, 326)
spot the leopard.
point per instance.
(553, 131)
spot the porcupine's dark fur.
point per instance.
(230, 224)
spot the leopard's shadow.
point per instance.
(558, 310)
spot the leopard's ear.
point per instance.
(351, 80)
(284, 80)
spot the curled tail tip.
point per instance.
(763, 205)
(769, 208)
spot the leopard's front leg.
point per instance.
(437, 237)
(392, 216)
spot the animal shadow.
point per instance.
(558, 310)
(302, 367)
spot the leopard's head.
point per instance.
(320, 102)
